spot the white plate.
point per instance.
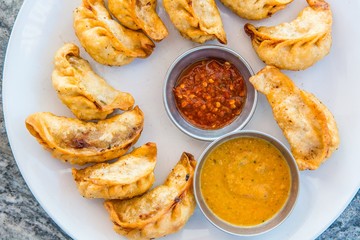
(43, 26)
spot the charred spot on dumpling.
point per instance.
(79, 143)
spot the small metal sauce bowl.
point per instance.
(191, 56)
(267, 225)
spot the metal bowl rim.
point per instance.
(243, 133)
(165, 96)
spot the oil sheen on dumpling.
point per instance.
(86, 94)
(161, 211)
(255, 9)
(78, 142)
(107, 41)
(197, 20)
(139, 15)
(298, 44)
(131, 175)
(308, 125)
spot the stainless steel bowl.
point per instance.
(271, 223)
(191, 56)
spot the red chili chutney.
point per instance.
(210, 93)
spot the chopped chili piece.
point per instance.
(210, 93)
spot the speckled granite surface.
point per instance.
(21, 216)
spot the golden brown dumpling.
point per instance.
(105, 39)
(197, 20)
(78, 142)
(255, 9)
(122, 10)
(131, 175)
(139, 14)
(161, 211)
(308, 125)
(86, 94)
(296, 45)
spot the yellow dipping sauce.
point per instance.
(245, 181)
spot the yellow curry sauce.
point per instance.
(245, 181)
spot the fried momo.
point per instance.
(307, 124)
(139, 15)
(255, 9)
(78, 142)
(161, 211)
(131, 175)
(105, 39)
(298, 44)
(197, 20)
(86, 94)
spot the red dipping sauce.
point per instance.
(210, 93)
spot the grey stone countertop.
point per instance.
(21, 216)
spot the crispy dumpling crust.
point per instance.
(197, 20)
(122, 10)
(131, 175)
(139, 14)
(298, 44)
(78, 142)
(107, 41)
(87, 95)
(255, 9)
(161, 211)
(308, 125)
